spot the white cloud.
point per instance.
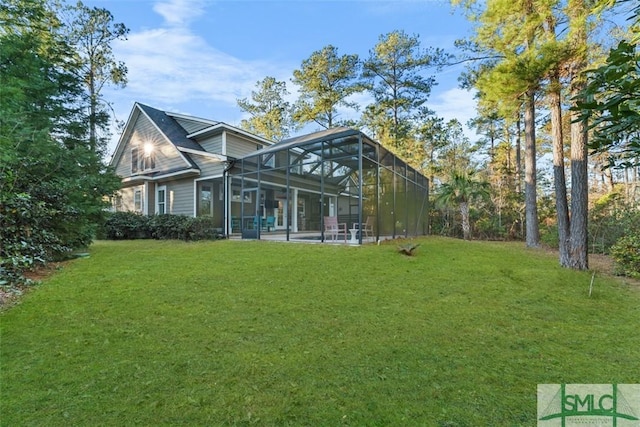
(172, 65)
(179, 12)
(456, 104)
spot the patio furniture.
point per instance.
(269, 223)
(235, 223)
(367, 226)
(333, 228)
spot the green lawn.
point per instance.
(237, 333)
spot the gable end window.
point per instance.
(134, 160)
(142, 161)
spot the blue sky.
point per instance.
(198, 57)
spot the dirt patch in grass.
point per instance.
(605, 266)
(10, 296)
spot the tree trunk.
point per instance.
(530, 196)
(579, 196)
(518, 157)
(466, 225)
(562, 208)
(93, 144)
(577, 11)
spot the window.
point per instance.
(269, 160)
(235, 196)
(116, 202)
(144, 162)
(134, 160)
(148, 161)
(161, 200)
(205, 206)
(137, 200)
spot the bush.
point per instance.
(626, 254)
(549, 236)
(610, 219)
(488, 228)
(129, 225)
(33, 233)
(126, 226)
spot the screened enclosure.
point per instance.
(331, 186)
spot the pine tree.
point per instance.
(270, 113)
(326, 81)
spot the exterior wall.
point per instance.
(125, 199)
(208, 166)
(151, 198)
(166, 156)
(180, 199)
(212, 144)
(181, 194)
(239, 147)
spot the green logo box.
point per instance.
(602, 405)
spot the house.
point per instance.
(177, 164)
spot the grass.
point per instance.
(275, 334)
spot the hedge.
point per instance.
(130, 225)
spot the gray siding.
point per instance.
(166, 155)
(180, 195)
(126, 199)
(212, 144)
(208, 166)
(239, 147)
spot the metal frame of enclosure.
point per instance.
(295, 184)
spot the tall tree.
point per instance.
(52, 186)
(395, 72)
(431, 133)
(326, 81)
(578, 245)
(92, 31)
(554, 101)
(270, 113)
(509, 34)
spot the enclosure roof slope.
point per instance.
(297, 141)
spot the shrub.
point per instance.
(130, 225)
(626, 254)
(28, 236)
(182, 227)
(610, 219)
(549, 236)
(489, 228)
(126, 226)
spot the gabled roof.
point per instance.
(186, 143)
(172, 130)
(166, 125)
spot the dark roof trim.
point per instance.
(333, 133)
(170, 128)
